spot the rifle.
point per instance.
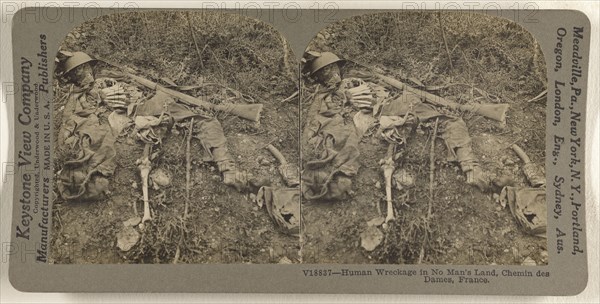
(246, 111)
(493, 111)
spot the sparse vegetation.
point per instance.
(241, 56)
(493, 61)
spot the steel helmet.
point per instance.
(76, 60)
(325, 59)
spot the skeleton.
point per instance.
(395, 139)
(98, 91)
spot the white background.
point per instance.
(590, 295)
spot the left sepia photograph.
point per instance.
(175, 141)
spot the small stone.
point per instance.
(509, 162)
(217, 209)
(160, 177)
(506, 250)
(403, 179)
(127, 238)
(371, 238)
(134, 185)
(378, 185)
(285, 260)
(499, 208)
(253, 197)
(529, 262)
(255, 208)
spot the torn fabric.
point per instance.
(283, 206)
(528, 206)
(332, 151)
(85, 176)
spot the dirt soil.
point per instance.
(225, 226)
(499, 62)
(493, 61)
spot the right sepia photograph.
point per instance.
(423, 142)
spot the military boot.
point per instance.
(478, 178)
(243, 181)
(236, 179)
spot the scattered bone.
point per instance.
(376, 222)
(388, 167)
(145, 166)
(535, 174)
(371, 238)
(127, 238)
(289, 172)
(132, 221)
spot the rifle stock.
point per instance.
(492, 111)
(246, 111)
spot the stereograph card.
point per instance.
(298, 149)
